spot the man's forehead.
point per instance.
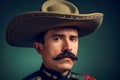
(63, 30)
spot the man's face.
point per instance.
(57, 41)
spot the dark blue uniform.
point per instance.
(47, 74)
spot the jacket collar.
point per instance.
(53, 75)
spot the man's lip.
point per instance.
(67, 58)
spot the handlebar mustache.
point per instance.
(66, 54)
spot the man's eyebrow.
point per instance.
(60, 35)
(74, 36)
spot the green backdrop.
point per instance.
(98, 53)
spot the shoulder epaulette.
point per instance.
(76, 76)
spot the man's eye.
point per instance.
(56, 38)
(74, 39)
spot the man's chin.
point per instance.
(67, 66)
(65, 63)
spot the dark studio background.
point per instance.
(98, 53)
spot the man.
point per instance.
(54, 33)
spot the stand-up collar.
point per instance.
(53, 75)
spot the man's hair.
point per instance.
(41, 37)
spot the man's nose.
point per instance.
(67, 45)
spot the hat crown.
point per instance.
(59, 6)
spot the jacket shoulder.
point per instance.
(76, 76)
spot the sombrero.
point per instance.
(23, 29)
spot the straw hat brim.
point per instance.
(23, 29)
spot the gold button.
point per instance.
(54, 77)
(39, 78)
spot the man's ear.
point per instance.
(38, 47)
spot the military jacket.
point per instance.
(47, 74)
